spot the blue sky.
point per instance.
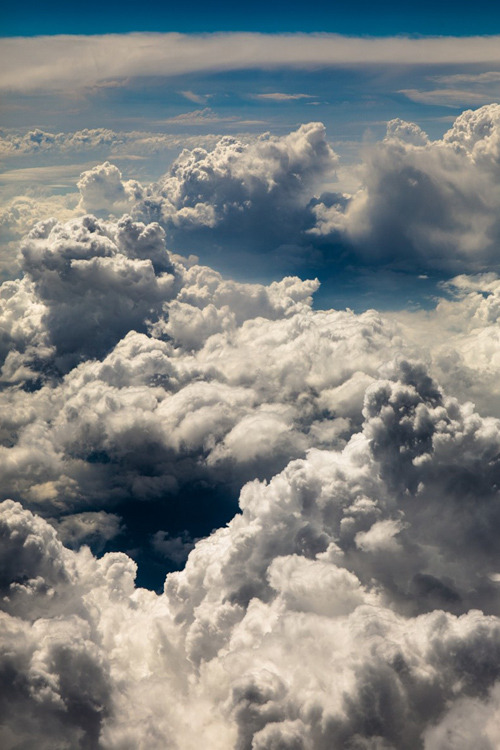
(365, 18)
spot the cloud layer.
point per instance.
(352, 600)
(422, 205)
(336, 609)
(81, 61)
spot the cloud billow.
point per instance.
(426, 205)
(253, 196)
(326, 613)
(352, 599)
(422, 206)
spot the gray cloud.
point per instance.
(425, 204)
(195, 391)
(422, 205)
(253, 194)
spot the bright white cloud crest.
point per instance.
(353, 601)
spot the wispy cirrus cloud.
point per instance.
(448, 97)
(278, 96)
(195, 98)
(204, 116)
(458, 89)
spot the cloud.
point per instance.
(255, 194)
(202, 398)
(163, 374)
(81, 61)
(91, 528)
(196, 98)
(334, 609)
(422, 205)
(15, 145)
(280, 97)
(103, 191)
(352, 598)
(455, 95)
(203, 116)
(425, 204)
(490, 76)
(449, 97)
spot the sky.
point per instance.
(249, 377)
(362, 18)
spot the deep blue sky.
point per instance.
(425, 17)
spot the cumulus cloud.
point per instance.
(143, 372)
(426, 204)
(352, 598)
(334, 610)
(18, 215)
(423, 205)
(195, 392)
(38, 142)
(103, 191)
(253, 194)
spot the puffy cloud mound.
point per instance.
(86, 283)
(145, 373)
(426, 204)
(103, 191)
(423, 204)
(335, 610)
(255, 194)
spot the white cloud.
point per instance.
(490, 76)
(255, 194)
(205, 399)
(281, 628)
(204, 116)
(35, 142)
(103, 191)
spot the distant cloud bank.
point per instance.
(51, 63)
